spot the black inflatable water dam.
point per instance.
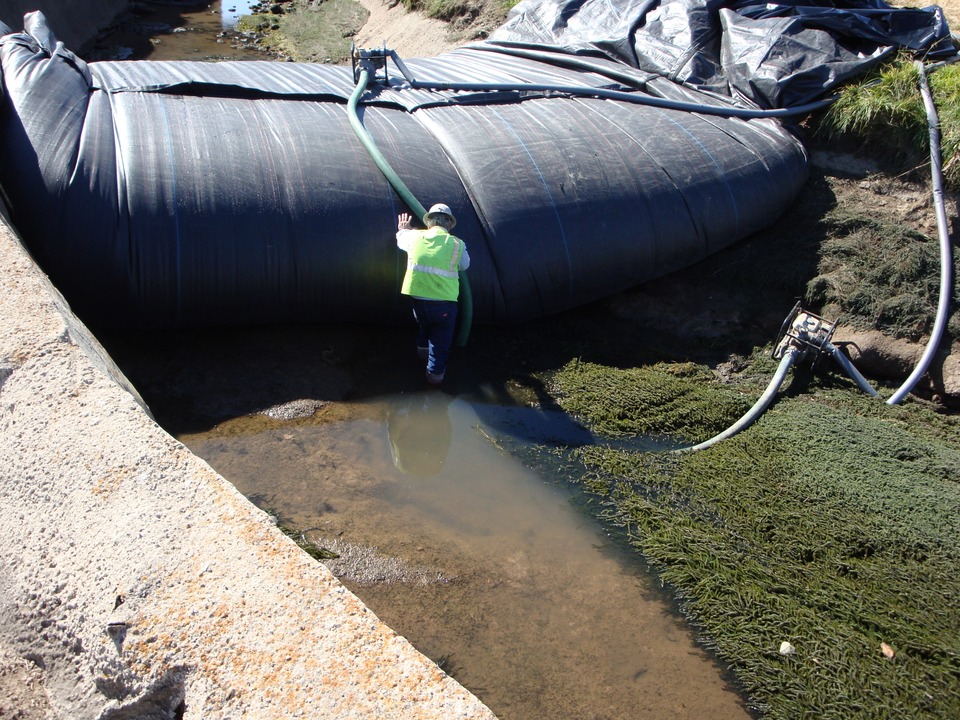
(183, 193)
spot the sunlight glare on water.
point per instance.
(232, 10)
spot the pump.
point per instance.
(371, 60)
(806, 332)
(803, 335)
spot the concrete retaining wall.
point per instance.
(140, 582)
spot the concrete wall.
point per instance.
(76, 23)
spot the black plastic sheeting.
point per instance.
(766, 54)
(186, 194)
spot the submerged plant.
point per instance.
(317, 552)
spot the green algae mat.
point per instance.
(816, 552)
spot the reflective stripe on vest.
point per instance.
(433, 261)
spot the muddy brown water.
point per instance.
(179, 31)
(495, 570)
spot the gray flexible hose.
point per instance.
(635, 98)
(751, 416)
(850, 369)
(946, 250)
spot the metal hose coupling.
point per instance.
(373, 61)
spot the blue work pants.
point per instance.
(436, 322)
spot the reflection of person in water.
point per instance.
(420, 431)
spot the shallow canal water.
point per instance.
(493, 567)
(494, 571)
(180, 31)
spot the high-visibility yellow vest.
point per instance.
(433, 262)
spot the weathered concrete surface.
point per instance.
(143, 584)
(77, 21)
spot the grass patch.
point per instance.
(460, 11)
(945, 87)
(884, 111)
(833, 524)
(313, 32)
(447, 10)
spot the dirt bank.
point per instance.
(409, 34)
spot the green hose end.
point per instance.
(466, 310)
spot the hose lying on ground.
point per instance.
(759, 407)
(946, 249)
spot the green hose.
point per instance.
(466, 296)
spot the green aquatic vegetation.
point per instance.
(877, 275)
(660, 399)
(317, 552)
(833, 524)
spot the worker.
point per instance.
(434, 261)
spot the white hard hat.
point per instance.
(441, 209)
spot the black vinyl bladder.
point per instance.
(161, 194)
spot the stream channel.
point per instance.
(445, 507)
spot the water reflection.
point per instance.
(486, 566)
(232, 10)
(419, 430)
